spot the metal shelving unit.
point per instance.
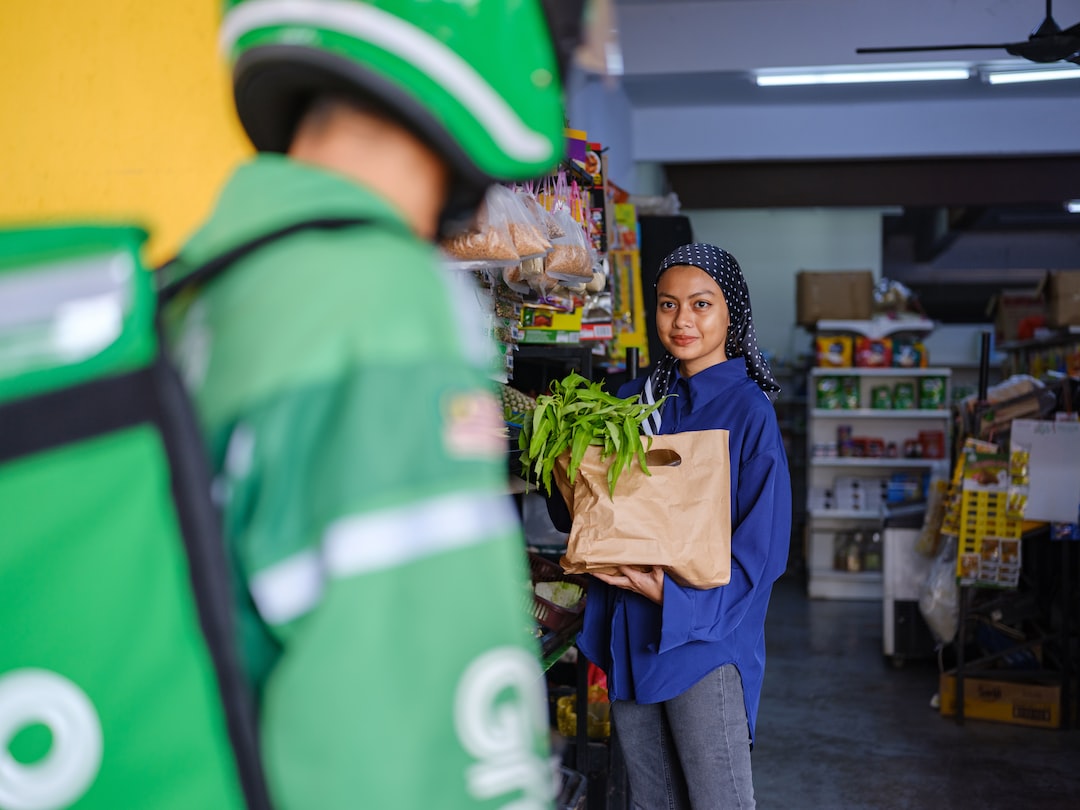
(832, 522)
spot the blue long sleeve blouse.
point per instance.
(653, 653)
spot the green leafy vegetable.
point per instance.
(576, 415)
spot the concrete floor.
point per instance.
(841, 728)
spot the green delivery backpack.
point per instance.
(119, 684)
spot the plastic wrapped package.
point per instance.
(513, 276)
(540, 217)
(939, 597)
(488, 240)
(527, 233)
(571, 257)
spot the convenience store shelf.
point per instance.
(885, 513)
(878, 327)
(879, 463)
(892, 428)
(877, 413)
(868, 371)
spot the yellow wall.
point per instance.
(114, 109)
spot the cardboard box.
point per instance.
(1015, 702)
(833, 296)
(1063, 298)
(545, 318)
(1017, 313)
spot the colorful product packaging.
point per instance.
(932, 393)
(909, 353)
(849, 393)
(827, 393)
(904, 396)
(834, 352)
(873, 352)
(932, 443)
(881, 397)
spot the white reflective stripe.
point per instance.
(365, 543)
(289, 588)
(440, 63)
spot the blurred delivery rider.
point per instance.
(379, 565)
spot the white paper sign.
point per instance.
(1054, 491)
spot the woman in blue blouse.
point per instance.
(685, 666)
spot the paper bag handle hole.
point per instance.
(663, 457)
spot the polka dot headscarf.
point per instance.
(741, 339)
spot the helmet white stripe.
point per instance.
(428, 54)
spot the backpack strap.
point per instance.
(170, 285)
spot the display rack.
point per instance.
(1058, 351)
(838, 520)
(877, 327)
(1029, 677)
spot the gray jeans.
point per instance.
(691, 752)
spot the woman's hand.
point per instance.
(649, 583)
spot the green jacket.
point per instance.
(383, 589)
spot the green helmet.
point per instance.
(478, 80)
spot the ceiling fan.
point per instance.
(1047, 43)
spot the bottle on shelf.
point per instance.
(872, 552)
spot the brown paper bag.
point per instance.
(678, 518)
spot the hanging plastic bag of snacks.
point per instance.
(570, 258)
(488, 240)
(534, 241)
(525, 233)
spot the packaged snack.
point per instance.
(828, 393)
(932, 443)
(526, 231)
(834, 352)
(873, 352)
(571, 257)
(513, 277)
(487, 241)
(904, 396)
(539, 216)
(849, 393)
(931, 393)
(908, 353)
(532, 268)
(881, 397)
(844, 443)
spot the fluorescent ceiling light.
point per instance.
(1073, 206)
(764, 79)
(1032, 75)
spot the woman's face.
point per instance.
(691, 318)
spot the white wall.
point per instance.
(772, 245)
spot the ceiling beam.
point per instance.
(900, 182)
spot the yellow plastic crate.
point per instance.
(985, 528)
